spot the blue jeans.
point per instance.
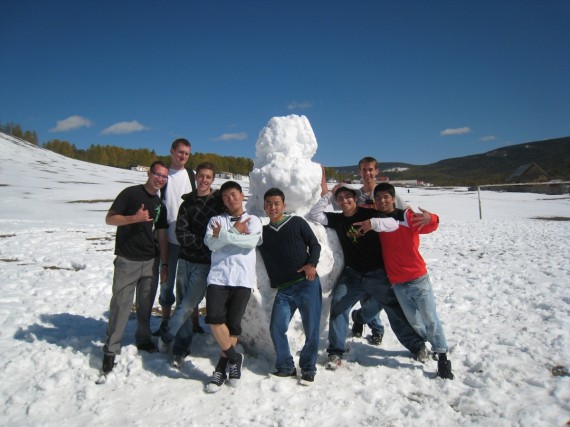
(418, 302)
(166, 297)
(307, 297)
(370, 314)
(192, 282)
(350, 287)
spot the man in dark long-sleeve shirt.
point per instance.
(363, 273)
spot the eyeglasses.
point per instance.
(164, 177)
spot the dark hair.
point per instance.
(229, 186)
(343, 188)
(159, 163)
(368, 160)
(274, 192)
(384, 186)
(206, 165)
(182, 141)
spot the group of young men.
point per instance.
(177, 229)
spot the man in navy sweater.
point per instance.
(291, 251)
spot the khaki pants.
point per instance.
(131, 276)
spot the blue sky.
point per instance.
(402, 80)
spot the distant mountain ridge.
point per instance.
(492, 167)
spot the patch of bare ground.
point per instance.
(552, 218)
(93, 201)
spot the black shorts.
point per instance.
(226, 304)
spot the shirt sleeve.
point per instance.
(311, 241)
(385, 225)
(317, 212)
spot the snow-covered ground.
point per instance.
(501, 283)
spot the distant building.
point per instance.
(224, 175)
(140, 168)
(530, 172)
(233, 176)
(537, 179)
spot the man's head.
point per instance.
(180, 153)
(232, 195)
(368, 169)
(345, 198)
(205, 173)
(274, 204)
(385, 197)
(157, 176)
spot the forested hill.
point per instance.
(492, 167)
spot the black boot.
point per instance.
(444, 368)
(108, 363)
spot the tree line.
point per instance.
(15, 129)
(125, 158)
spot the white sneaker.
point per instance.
(162, 346)
(216, 382)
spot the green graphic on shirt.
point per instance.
(156, 213)
(353, 234)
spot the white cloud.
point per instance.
(488, 138)
(295, 105)
(455, 131)
(124, 128)
(71, 123)
(231, 136)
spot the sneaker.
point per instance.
(357, 327)
(375, 338)
(235, 370)
(108, 363)
(422, 355)
(163, 347)
(334, 361)
(444, 370)
(178, 361)
(147, 346)
(284, 374)
(307, 377)
(216, 382)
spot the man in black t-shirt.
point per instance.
(140, 218)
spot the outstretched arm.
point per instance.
(425, 222)
(385, 225)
